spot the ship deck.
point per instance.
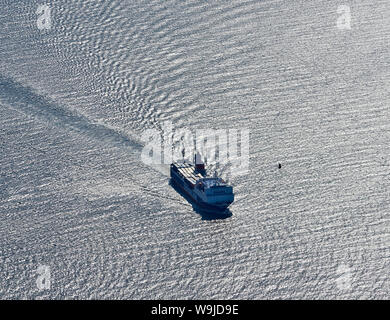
(187, 171)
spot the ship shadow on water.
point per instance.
(204, 213)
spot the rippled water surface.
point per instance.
(76, 197)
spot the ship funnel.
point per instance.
(199, 165)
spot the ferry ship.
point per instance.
(211, 193)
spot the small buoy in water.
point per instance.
(280, 166)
